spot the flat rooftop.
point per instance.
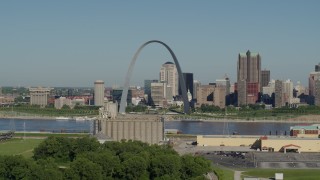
(258, 137)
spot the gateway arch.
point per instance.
(130, 70)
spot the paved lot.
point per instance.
(243, 157)
(288, 160)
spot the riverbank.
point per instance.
(251, 120)
(308, 119)
(298, 119)
(29, 117)
(36, 117)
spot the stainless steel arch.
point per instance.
(130, 70)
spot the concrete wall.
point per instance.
(150, 131)
(227, 140)
(307, 145)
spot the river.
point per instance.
(187, 127)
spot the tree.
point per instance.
(83, 169)
(85, 144)
(110, 164)
(49, 168)
(194, 166)
(15, 167)
(165, 165)
(58, 148)
(134, 168)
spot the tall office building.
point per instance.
(147, 89)
(317, 68)
(287, 91)
(219, 96)
(317, 93)
(205, 95)
(117, 94)
(158, 93)
(188, 79)
(313, 77)
(249, 71)
(278, 101)
(169, 75)
(99, 93)
(224, 82)
(196, 84)
(265, 78)
(241, 87)
(39, 96)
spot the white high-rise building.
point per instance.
(99, 93)
(196, 84)
(287, 91)
(169, 75)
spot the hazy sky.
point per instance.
(74, 42)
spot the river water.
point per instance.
(187, 127)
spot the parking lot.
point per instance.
(244, 157)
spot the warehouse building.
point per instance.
(265, 143)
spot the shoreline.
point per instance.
(248, 121)
(297, 121)
(28, 117)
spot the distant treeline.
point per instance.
(51, 111)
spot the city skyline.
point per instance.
(75, 43)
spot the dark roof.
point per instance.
(169, 62)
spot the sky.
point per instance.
(73, 43)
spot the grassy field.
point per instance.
(226, 173)
(288, 174)
(19, 147)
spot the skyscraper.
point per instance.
(205, 95)
(265, 78)
(196, 84)
(169, 75)
(219, 96)
(224, 82)
(147, 89)
(158, 93)
(278, 101)
(98, 93)
(188, 79)
(313, 77)
(249, 71)
(317, 93)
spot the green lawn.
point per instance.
(226, 173)
(288, 174)
(19, 147)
